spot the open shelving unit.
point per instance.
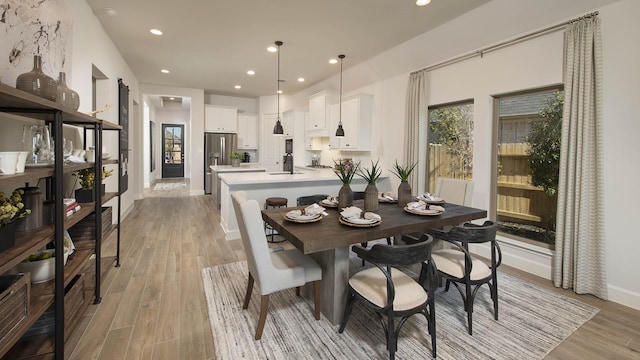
(80, 276)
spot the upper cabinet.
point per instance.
(317, 124)
(289, 120)
(220, 119)
(357, 114)
(247, 132)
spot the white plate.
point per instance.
(435, 200)
(105, 156)
(360, 221)
(328, 203)
(423, 211)
(295, 215)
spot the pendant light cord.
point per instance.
(340, 118)
(278, 43)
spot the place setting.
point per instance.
(423, 208)
(356, 217)
(330, 202)
(309, 214)
(388, 197)
(430, 199)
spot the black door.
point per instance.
(172, 140)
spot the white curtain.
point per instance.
(415, 130)
(579, 260)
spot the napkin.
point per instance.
(388, 196)
(332, 200)
(313, 209)
(75, 159)
(353, 212)
(421, 205)
(429, 196)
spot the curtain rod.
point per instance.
(491, 48)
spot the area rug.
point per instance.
(532, 321)
(170, 186)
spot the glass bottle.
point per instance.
(66, 96)
(37, 82)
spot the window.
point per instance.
(528, 156)
(450, 137)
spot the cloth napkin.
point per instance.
(429, 196)
(75, 159)
(389, 196)
(421, 205)
(353, 212)
(332, 200)
(312, 209)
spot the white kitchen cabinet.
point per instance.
(247, 132)
(357, 115)
(222, 119)
(317, 124)
(312, 143)
(291, 119)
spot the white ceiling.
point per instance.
(210, 44)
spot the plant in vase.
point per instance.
(88, 183)
(345, 172)
(235, 158)
(371, 175)
(404, 190)
(11, 208)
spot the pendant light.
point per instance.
(340, 130)
(277, 129)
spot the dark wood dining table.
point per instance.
(328, 241)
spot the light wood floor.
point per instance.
(153, 306)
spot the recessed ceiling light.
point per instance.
(238, 87)
(333, 61)
(272, 49)
(422, 2)
(156, 31)
(165, 71)
(111, 11)
(251, 72)
(172, 98)
(279, 91)
(300, 79)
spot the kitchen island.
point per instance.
(260, 186)
(220, 169)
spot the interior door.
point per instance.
(173, 143)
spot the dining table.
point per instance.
(328, 240)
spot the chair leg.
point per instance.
(247, 296)
(316, 298)
(264, 307)
(297, 290)
(494, 295)
(468, 304)
(389, 242)
(347, 311)
(391, 336)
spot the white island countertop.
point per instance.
(242, 168)
(281, 177)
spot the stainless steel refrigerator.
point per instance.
(217, 148)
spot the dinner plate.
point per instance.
(358, 222)
(436, 200)
(385, 200)
(423, 211)
(295, 216)
(328, 203)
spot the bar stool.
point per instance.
(271, 203)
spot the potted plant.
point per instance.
(11, 208)
(235, 158)
(345, 171)
(88, 183)
(404, 190)
(371, 175)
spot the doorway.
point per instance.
(173, 143)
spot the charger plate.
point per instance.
(302, 219)
(423, 212)
(344, 221)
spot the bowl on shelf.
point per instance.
(42, 270)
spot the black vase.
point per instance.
(87, 195)
(7, 236)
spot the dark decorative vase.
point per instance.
(67, 97)
(33, 200)
(7, 236)
(37, 82)
(345, 197)
(371, 198)
(404, 194)
(86, 195)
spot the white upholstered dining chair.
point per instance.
(271, 270)
(455, 191)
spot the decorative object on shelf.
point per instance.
(37, 141)
(340, 130)
(371, 175)
(105, 108)
(41, 265)
(235, 158)
(277, 129)
(33, 200)
(345, 171)
(66, 96)
(88, 182)
(404, 190)
(37, 82)
(11, 209)
(8, 162)
(22, 160)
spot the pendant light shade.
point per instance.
(277, 129)
(340, 130)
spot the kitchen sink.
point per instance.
(285, 172)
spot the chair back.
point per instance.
(455, 191)
(311, 199)
(254, 239)
(474, 234)
(398, 255)
(358, 195)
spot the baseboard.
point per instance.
(624, 297)
(196, 192)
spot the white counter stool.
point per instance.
(271, 203)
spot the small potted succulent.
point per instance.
(371, 175)
(235, 157)
(404, 190)
(11, 208)
(87, 179)
(345, 171)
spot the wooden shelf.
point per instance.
(37, 306)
